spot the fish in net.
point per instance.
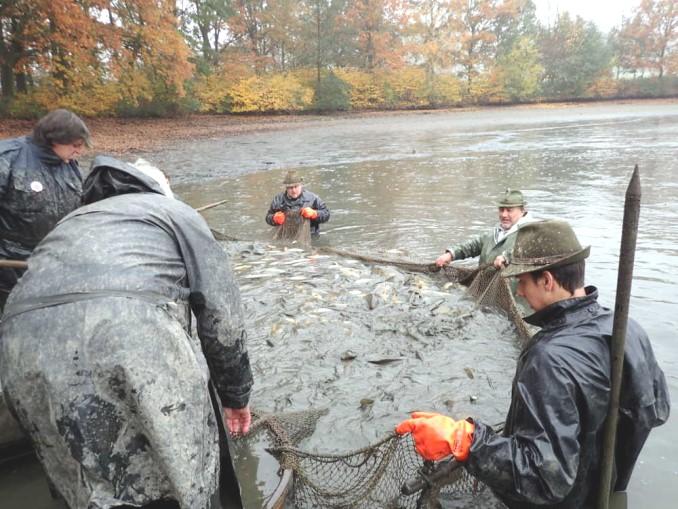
(484, 284)
(388, 474)
(295, 230)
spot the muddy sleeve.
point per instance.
(276, 206)
(215, 301)
(323, 211)
(468, 249)
(538, 462)
(5, 172)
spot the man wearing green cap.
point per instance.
(494, 246)
(295, 199)
(548, 454)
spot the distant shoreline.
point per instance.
(119, 136)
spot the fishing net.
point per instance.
(484, 284)
(388, 474)
(295, 230)
(371, 477)
(489, 289)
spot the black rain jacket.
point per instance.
(549, 452)
(37, 189)
(282, 203)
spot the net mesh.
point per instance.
(371, 477)
(295, 230)
(489, 289)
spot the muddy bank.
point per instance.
(134, 135)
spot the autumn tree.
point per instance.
(649, 40)
(205, 26)
(574, 55)
(515, 22)
(377, 30)
(430, 39)
(476, 23)
(16, 27)
(521, 70)
(283, 18)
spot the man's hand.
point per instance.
(279, 218)
(444, 259)
(500, 262)
(309, 213)
(437, 436)
(238, 420)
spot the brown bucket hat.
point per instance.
(544, 245)
(292, 179)
(511, 198)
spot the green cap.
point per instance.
(511, 198)
(544, 245)
(292, 179)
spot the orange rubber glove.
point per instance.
(279, 217)
(437, 436)
(309, 213)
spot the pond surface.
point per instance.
(410, 186)
(407, 187)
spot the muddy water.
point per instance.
(414, 185)
(407, 187)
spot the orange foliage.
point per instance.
(603, 86)
(366, 91)
(279, 92)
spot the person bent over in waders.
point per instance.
(295, 198)
(124, 407)
(549, 452)
(496, 245)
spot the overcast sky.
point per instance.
(604, 13)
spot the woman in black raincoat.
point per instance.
(97, 361)
(40, 182)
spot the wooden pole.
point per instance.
(621, 312)
(210, 205)
(13, 264)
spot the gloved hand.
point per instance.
(309, 213)
(436, 436)
(279, 217)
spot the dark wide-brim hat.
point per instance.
(292, 179)
(511, 198)
(544, 245)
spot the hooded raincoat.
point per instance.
(97, 360)
(283, 203)
(37, 189)
(549, 452)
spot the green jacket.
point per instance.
(489, 245)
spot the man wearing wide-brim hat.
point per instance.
(496, 245)
(295, 198)
(548, 454)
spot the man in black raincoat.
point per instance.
(97, 361)
(40, 182)
(549, 452)
(296, 199)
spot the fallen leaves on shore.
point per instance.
(128, 135)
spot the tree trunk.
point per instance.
(6, 71)
(317, 18)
